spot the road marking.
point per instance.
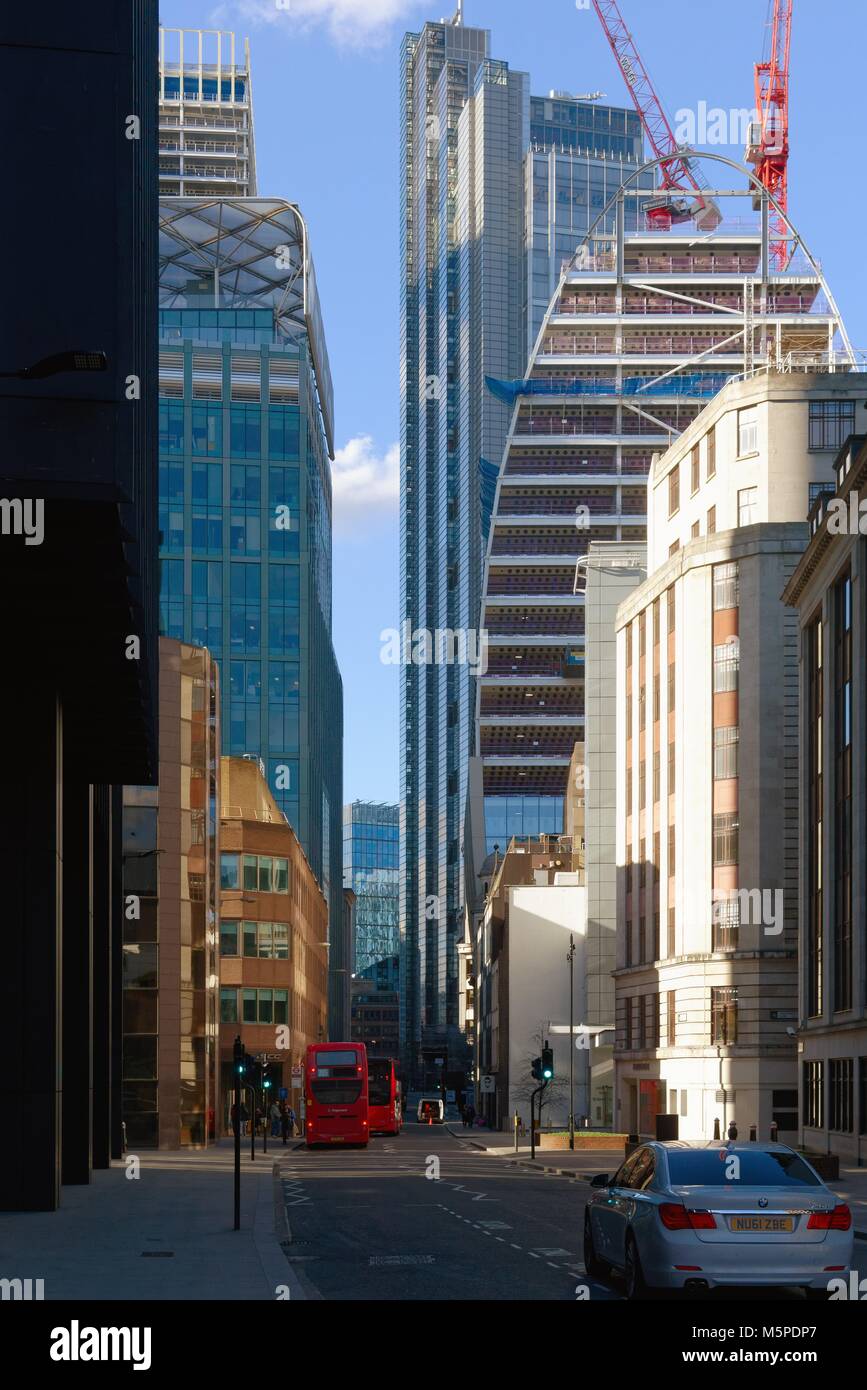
(553, 1266)
(549, 1254)
(496, 1225)
(533, 1256)
(514, 1246)
(401, 1260)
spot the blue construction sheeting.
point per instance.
(703, 384)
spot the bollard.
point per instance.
(753, 1129)
(775, 1130)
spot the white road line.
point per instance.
(514, 1246)
(533, 1256)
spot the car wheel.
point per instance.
(632, 1271)
(592, 1263)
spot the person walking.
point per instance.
(275, 1120)
(471, 1115)
(245, 1115)
(291, 1117)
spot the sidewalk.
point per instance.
(110, 1239)
(582, 1164)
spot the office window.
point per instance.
(748, 431)
(671, 597)
(726, 923)
(652, 1030)
(673, 548)
(841, 734)
(671, 769)
(814, 643)
(831, 423)
(695, 469)
(862, 1095)
(711, 452)
(228, 1004)
(726, 665)
(711, 521)
(748, 506)
(726, 586)
(674, 490)
(784, 1109)
(656, 775)
(671, 1018)
(814, 1104)
(228, 938)
(840, 1095)
(725, 838)
(671, 941)
(724, 1015)
(672, 851)
(696, 530)
(725, 753)
(229, 871)
(656, 622)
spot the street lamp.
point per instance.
(77, 360)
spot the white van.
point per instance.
(431, 1111)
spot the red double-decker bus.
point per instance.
(335, 1094)
(383, 1091)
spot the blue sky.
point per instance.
(325, 91)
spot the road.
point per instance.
(425, 1216)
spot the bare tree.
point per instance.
(526, 1084)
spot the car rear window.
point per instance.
(709, 1168)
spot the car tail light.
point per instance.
(675, 1217)
(839, 1219)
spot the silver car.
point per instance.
(707, 1215)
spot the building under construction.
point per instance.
(644, 328)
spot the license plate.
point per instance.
(337, 1139)
(761, 1224)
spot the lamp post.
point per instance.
(570, 960)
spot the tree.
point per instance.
(526, 1084)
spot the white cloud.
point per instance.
(366, 483)
(354, 23)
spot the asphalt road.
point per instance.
(424, 1216)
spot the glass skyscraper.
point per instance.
(371, 832)
(464, 133)
(497, 189)
(246, 435)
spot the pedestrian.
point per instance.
(291, 1115)
(464, 1120)
(234, 1118)
(284, 1122)
(471, 1115)
(245, 1115)
(275, 1120)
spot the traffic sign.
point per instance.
(283, 1093)
(488, 1085)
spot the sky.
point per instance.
(325, 95)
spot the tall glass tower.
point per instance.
(370, 868)
(246, 434)
(464, 131)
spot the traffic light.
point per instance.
(547, 1063)
(238, 1057)
(267, 1083)
(537, 1068)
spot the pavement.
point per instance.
(582, 1164)
(164, 1235)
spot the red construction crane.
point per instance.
(676, 172)
(768, 148)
